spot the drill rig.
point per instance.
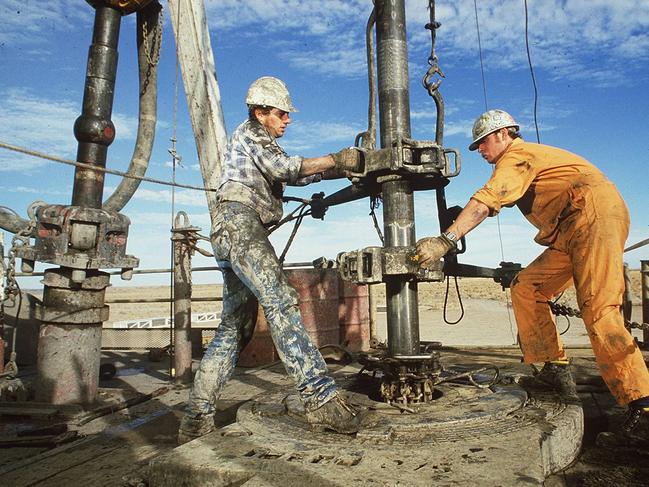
(393, 172)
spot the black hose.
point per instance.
(148, 21)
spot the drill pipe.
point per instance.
(398, 202)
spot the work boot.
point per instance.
(192, 428)
(557, 375)
(336, 415)
(631, 433)
(638, 409)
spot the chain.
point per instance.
(153, 52)
(12, 289)
(21, 238)
(635, 324)
(563, 310)
(432, 87)
(433, 61)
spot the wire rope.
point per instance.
(90, 167)
(484, 83)
(529, 62)
(174, 160)
(486, 105)
(459, 298)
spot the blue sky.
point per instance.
(590, 59)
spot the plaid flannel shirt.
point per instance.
(256, 170)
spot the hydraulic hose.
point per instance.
(149, 38)
(11, 221)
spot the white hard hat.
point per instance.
(270, 92)
(489, 122)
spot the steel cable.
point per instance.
(529, 62)
(91, 167)
(484, 83)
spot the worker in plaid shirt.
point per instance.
(254, 174)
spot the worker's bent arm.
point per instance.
(474, 213)
(315, 165)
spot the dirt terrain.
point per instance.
(431, 295)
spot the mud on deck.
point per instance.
(138, 416)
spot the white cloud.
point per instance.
(39, 190)
(182, 196)
(21, 114)
(182, 166)
(25, 22)
(24, 114)
(460, 127)
(163, 219)
(563, 36)
(125, 126)
(335, 45)
(295, 16)
(303, 136)
(325, 131)
(346, 59)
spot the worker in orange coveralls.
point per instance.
(582, 219)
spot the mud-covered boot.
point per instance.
(192, 428)
(557, 376)
(634, 430)
(336, 415)
(638, 412)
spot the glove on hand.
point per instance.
(431, 249)
(348, 160)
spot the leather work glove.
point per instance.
(431, 249)
(348, 160)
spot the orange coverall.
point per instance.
(583, 220)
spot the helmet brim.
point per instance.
(476, 143)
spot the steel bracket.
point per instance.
(372, 265)
(410, 157)
(79, 238)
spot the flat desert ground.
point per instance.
(486, 309)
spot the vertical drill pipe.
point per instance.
(644, 269)
(69, 353)
(69, 341)
(94, 129)
(398, 201)
(182, 311)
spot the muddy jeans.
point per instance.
(255, 275)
